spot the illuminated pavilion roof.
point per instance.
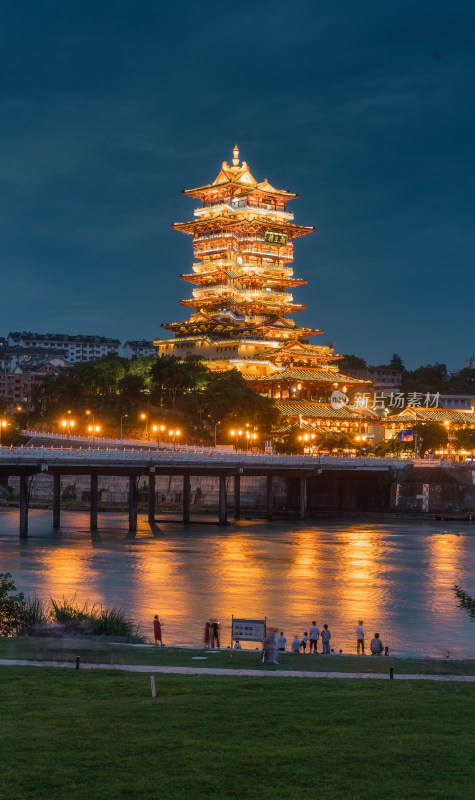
(306, 375)
(440, 415)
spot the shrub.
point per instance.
(11, 605)
(113, 622)
(68, 611)
(33, 615)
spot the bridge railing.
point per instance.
(202, 455)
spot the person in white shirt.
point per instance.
(314, 634)
(237, 645)
(360, 638)
(281, 642)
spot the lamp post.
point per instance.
(158, 429)
(68, 423)
(93, 428)
(215, 426)
(236, 433)
(3, 424)
(174, 432)
(144, 417)
(124, 416)
(250, 439)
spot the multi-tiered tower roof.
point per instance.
(243, 238)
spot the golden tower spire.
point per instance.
(236, 156)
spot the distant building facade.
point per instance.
(463, 402)
(17, 385)
(76, 349)
(384, 379)
(138, 349)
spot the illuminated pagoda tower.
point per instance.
(242, 276)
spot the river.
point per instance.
(396, 576)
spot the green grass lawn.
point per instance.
(100, 736)
(103, 652)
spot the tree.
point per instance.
(465, 601)
(132, 388)
(396, 362)
(465, 439)
(228, 397)
(173, 378)
(429, 378)
(11, 605)
(351, 362)
(432, 436)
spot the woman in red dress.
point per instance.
(157, 630)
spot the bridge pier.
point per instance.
(269, 498)
(94, 501)
(132, 503)
(222, 513)
(303, 498)
(151, 496)
(23, 506)
(186, 498)
(56, 500)
(237, 496)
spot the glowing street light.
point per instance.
(158, 429)
(67, 424)
(3, 424)
(250, 439)
(93, 428)
(174, 432)
(235, 433)
(144, 417)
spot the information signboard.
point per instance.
(406, 436)
(275, 238)
(249, 630)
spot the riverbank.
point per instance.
(100, 735)
(99, 652)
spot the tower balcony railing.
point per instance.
(264, 270)
(237, 205)
(242, 294)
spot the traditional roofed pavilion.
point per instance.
(243, 238)
(411, 415)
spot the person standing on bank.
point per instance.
(314, 633)
(206, 635)
(215, 633)
(281, 641)
(326, 636)
(376, 645)
(157, 630)
(360, 638)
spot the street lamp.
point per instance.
(68, 423)
(250, 439)
(124, 416)
(145, 418)
(174, 432)
(235, 432)
(158, 429)
(3, 424)
(215, 426)
(93, 428)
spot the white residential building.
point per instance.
(76, 348)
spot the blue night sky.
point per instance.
(364, 108)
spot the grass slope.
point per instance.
(77, 734)
(64, 649)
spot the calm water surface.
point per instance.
(396, 577)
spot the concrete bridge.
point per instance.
(28, 461)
